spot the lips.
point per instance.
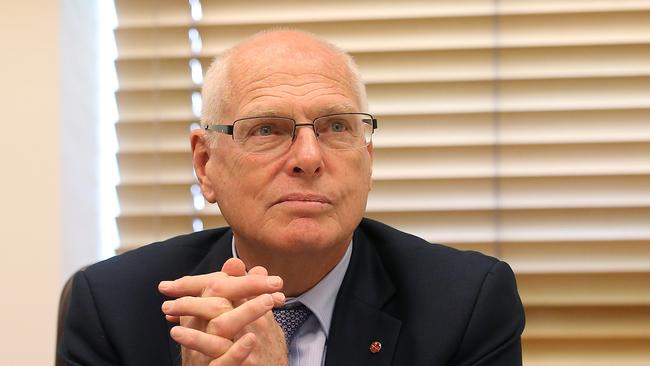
(304, 197)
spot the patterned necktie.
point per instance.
(291, 319)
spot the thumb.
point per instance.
(234, 267)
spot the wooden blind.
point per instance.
(519, 128)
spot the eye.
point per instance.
(263, 130)
(338, 126)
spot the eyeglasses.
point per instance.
(341, 131)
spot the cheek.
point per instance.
(363, 168)
(243, 179)
(224, 172)
(355, 178)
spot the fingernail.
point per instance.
(167, 306)
(164, 285)
(176, 332)
(247, 342)
(274, 281)
(267, 300)
(278, 297)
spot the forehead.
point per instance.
(280, 76)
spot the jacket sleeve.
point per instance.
(84, 341)
(493, 333)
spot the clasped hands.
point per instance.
(224, 317)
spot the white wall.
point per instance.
(47, 164)
(79, 83)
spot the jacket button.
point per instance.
(375, 347)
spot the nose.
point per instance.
(306, 154)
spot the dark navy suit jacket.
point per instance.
(427, 304)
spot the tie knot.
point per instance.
(291, 319)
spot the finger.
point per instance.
(278, 299)
(173, 319)
(238, 353)
(202, 307)
(234, 267)
(232, 322)
(220, 284)
(189, 285)
(208, 344)
(234, 288)
(259, 270)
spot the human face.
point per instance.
(309, 198)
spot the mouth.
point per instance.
(303, 198)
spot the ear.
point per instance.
(371, 153)
(200, 158)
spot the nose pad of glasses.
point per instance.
(311, 127)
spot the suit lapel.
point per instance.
(359, 318)
(212, 262)
(220, 252)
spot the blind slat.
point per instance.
(518, 128)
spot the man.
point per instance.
(299, 278)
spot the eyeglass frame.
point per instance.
(230, 129)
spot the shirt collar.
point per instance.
(321, 298)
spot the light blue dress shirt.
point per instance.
(309, 344)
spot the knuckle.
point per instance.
(251, 284)
(216, 276)
(214, 283)
(215, 325)
(183, 302)
(184, 279)
(211, 287)
(220, 325)
(221, 305)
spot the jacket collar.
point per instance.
(219, 253)
(359, 318)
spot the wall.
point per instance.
(29, 149)
(79, 85)
(48, 167)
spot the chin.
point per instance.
(305, 234)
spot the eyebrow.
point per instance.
(337, 108)
(264, 111)
(267, 111)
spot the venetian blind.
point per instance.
(519, 128)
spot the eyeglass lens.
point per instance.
(341, 131)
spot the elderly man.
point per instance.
(299, 278)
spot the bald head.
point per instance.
(226, 77)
